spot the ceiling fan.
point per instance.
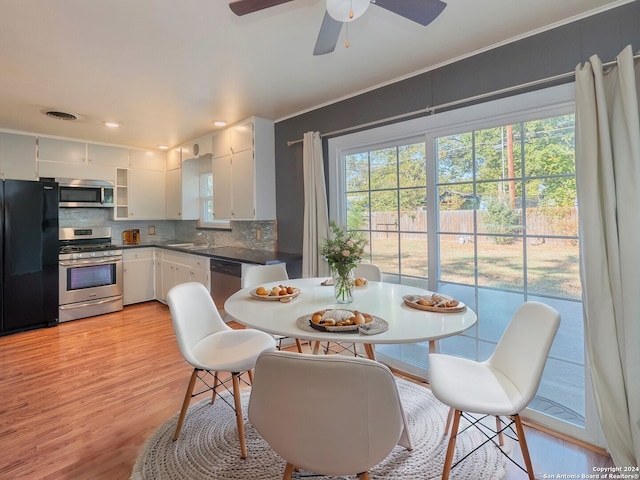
(420, 11)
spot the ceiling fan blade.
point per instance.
(328, 36)
(243, 7)
(420, 11)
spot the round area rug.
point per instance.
(208, 447)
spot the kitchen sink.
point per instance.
(188, 246)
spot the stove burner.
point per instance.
(87, 247)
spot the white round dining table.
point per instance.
(380, 299)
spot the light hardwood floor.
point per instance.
(77, 401)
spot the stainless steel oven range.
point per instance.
(90, 273)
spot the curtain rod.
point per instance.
(432, 110)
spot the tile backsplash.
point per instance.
(259, 235)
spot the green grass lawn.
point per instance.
(551, 268)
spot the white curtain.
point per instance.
(608, 184)
(316, 219)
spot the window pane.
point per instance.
(206, 197)
(386, 194)
(413, 252)
(550, 146)
(455, 158)
(553, 268)
(384, 251)
(412, 165)
(384, 169)
(358, 211)
(498, 214)
(357, 172)
(498, 153)
(384, 210)
(500, 262)
(457, 262)
(413, 202)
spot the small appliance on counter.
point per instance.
(131, 236)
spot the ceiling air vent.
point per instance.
(61, 115)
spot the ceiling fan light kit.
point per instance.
(347, 10)
(338, 12)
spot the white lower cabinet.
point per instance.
(157, 261)
(177, 268)
(149, 273)
(138, 275)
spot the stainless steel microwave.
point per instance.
(85, 193)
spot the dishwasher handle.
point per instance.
(226, 267)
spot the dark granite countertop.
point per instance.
(243, 255)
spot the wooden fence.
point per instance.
(541, 223)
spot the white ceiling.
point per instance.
(167, 68)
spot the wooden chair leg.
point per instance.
(368, 348)
(316, 348)
(499, 429)
(236, 398)
(288, 471)
(185, 403)
(449, 418)
(452, 445)
(250, 373)
(216, 382)
(363, 476)
(523, 446)
(298, 345)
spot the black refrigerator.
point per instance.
(29, 245)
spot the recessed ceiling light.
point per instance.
(220, 123)
(112, 124)
(163, 147)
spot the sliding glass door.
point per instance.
(484, 210)
(507, 232)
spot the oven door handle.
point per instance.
(92, 261)
(71, 306)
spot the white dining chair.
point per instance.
(256, 275)
(211, 346)
(330, 415)
(370, 272)
(501, 386)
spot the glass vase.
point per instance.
(343, 285)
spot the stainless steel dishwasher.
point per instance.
(226, 276)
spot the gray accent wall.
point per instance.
(544, 55)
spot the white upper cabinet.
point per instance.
(60, 158)
(234, 139)
(221, 144)
(244, 178)
(147, 160)
(146, 195)
(174, 159)
(58, 150)
(173, 199)
(242, 135)
(107, 155)
(18, 156)
(243, 186)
